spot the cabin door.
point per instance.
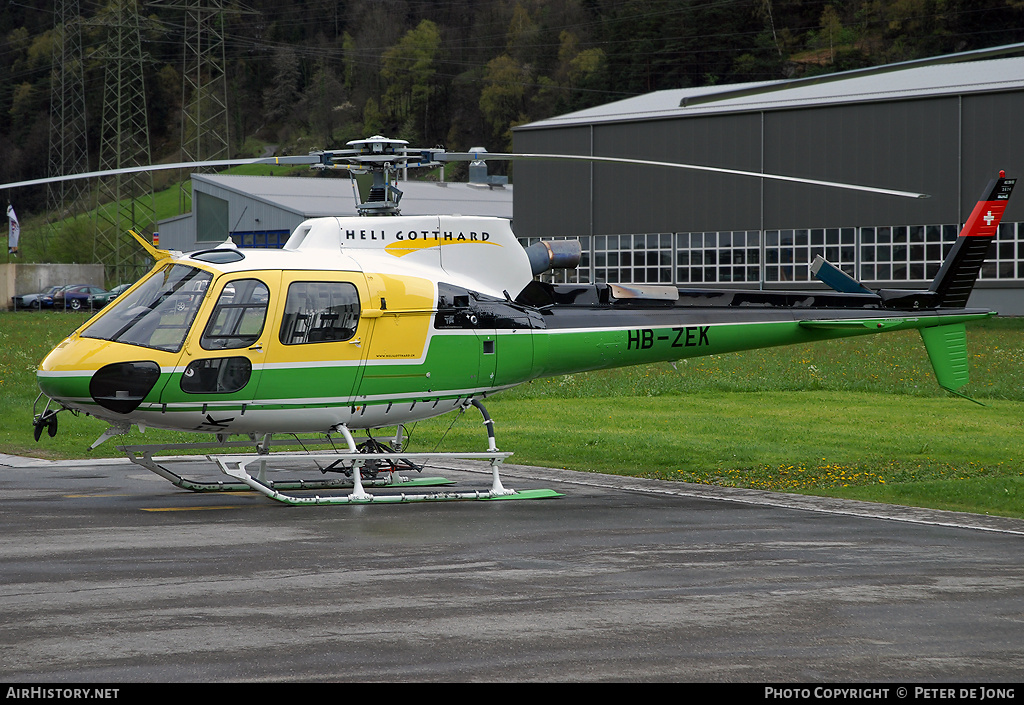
(315, 358)
(225, 353)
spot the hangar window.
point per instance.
(211, 216)
(874, 255)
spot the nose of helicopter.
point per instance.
(63, 375)
(81, 374)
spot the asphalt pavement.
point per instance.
(112, 575)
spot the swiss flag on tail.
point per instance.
(984, 220)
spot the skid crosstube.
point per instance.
(142, 455)
(236, 468)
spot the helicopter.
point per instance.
(361, 323)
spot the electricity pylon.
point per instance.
(204, 90)
(124, 201)
(69, 150)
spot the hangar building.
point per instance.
(262, 211)
(942, 130)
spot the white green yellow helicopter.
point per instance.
(362, 323)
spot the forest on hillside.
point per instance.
(308, 74)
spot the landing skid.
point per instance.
(236, 467)
(361, 465)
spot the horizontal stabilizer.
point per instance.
(870, 323)
(836, 278)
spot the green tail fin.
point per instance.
(947, 350)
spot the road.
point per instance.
(110, 574)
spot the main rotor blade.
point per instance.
(329, 160)
(483, 156)
(297, 160)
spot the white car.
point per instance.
(35, 300)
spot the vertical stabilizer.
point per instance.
(947, 350)
(960, 269)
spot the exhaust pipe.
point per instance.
(557, 254)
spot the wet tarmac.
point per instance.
(111, 574)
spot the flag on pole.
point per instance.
(14, 230)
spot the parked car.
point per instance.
(101, 300)
(194, 292)
(35, 300)
(76, 296)
(47, 300)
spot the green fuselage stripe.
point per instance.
(459, 365)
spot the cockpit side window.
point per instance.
(158, 313)
(317, 312)
(238, 318)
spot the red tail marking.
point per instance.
(985, 217)
(984, 220)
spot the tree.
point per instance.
(523, 34)
(409, 72)
(577, 70)
(502, 99)
(373, 120)
(323, 96)
(348, 60)
(279, 99)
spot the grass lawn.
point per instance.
(858, 418)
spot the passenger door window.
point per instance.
(238, 317)
(317, 312)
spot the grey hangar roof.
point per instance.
(923, 82)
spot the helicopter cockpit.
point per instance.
(156, 314)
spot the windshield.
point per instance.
(159, 313)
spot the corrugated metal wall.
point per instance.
(948, 147)
(248, 214)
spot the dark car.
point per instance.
(46, 301)
(35, 301)
(101, 300)
(76, 296)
